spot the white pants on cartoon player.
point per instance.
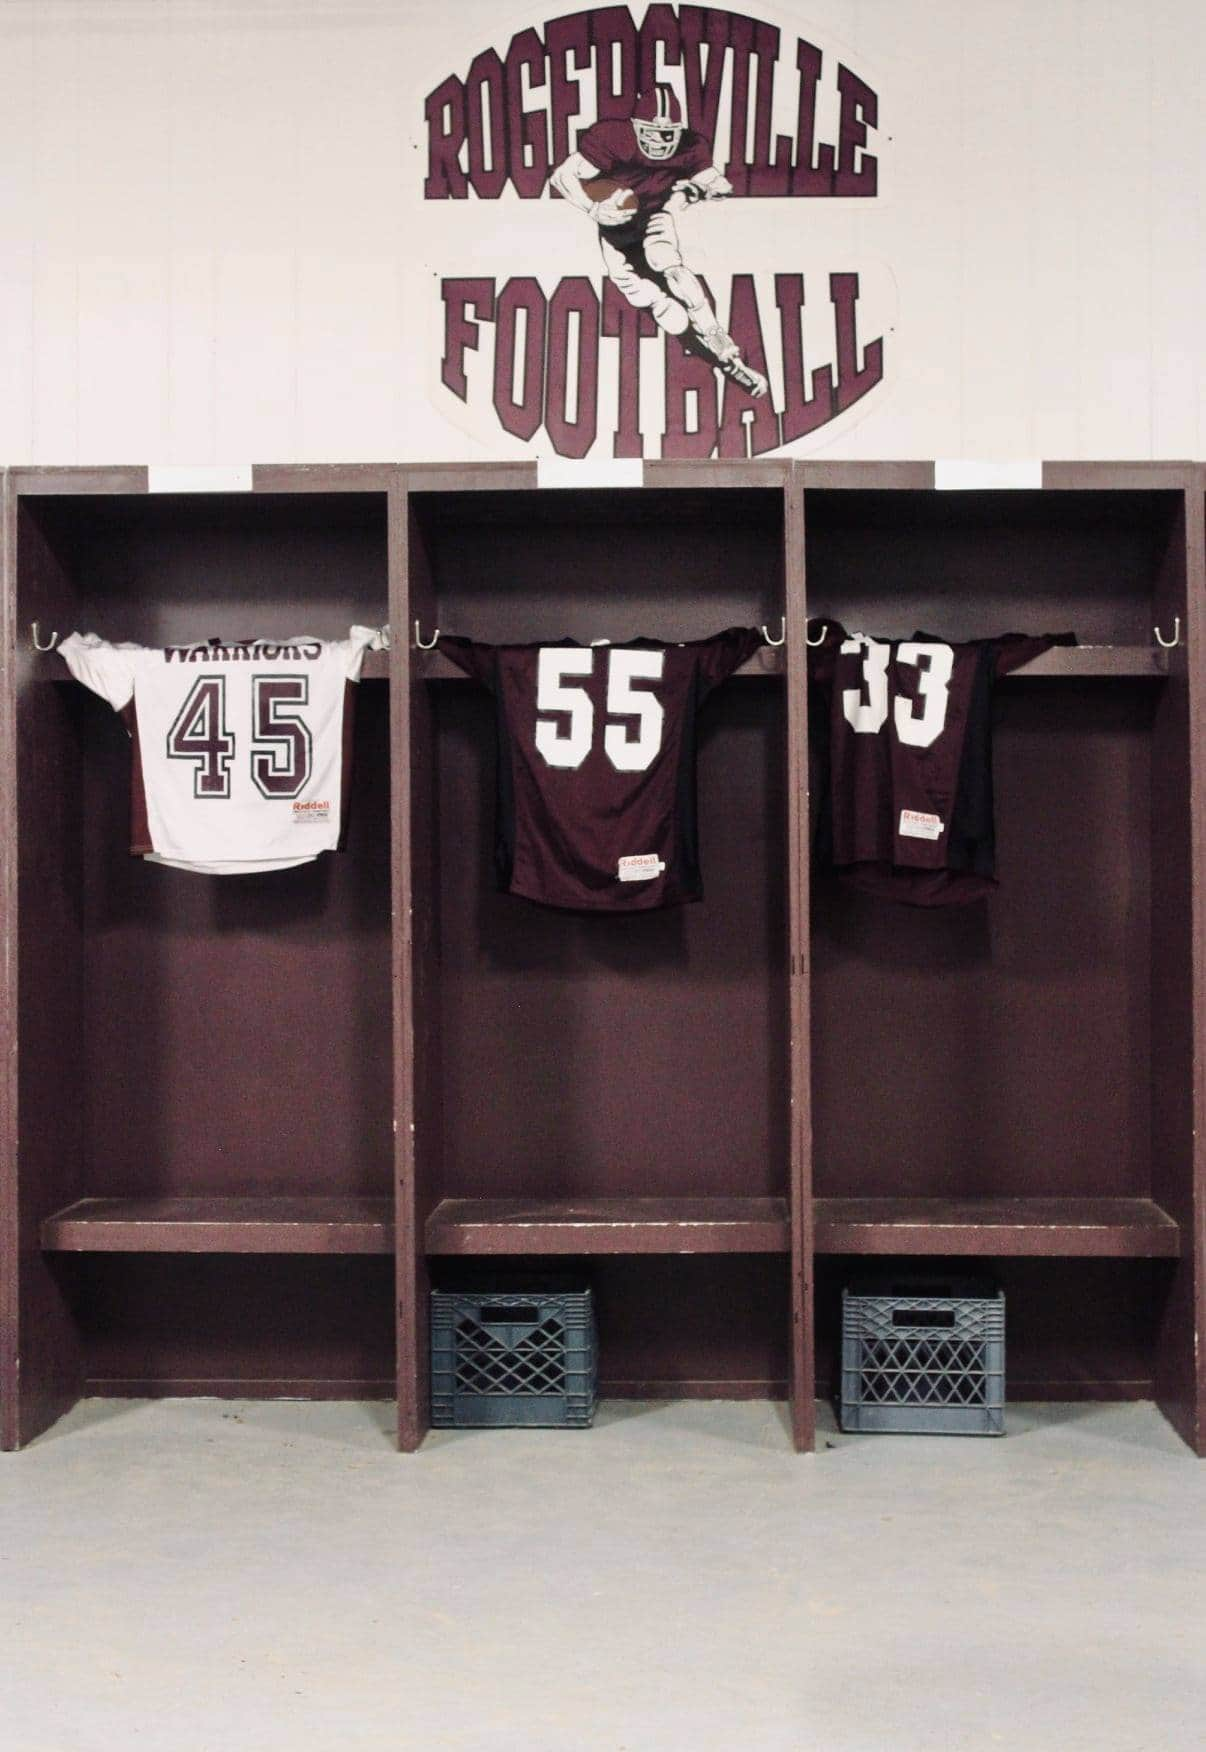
(681, 302)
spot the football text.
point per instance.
(545, 356)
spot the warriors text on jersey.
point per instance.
(596, 765)
(240, 751)
(901, 756)
(611, 147)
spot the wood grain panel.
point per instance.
(435, 667)
(254, 1325)
(712, 475)
(54, 482)
(1178, 948)
(799, 944)
(49, 916)
(325, 477)
(255, 1387)
(10, 1248)
(222, 1225)
(586, 1055)
(418, 1144)
(671, 1325)
(866, 476)
(1127, 662)
(974, 564)
(1117, 1228)
(608, 1225)
(1010, 1040)
(513, 565)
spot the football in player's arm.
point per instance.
(632, 176)
(574, 175)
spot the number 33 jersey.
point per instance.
(240, 751)
(901, 760)
(596, 765)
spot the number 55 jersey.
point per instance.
(596, 765)
(901, 759)
(240, 751)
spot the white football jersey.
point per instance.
(240, 751)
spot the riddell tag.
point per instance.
(916, 825)
(640, 869)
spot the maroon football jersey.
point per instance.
(596, 765)
(901, 759)
(612, 148)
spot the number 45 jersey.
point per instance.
(240, 751)
(901, 759)
(596, 765)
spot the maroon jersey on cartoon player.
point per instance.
(613, 150)
(596, 765)
(665, 167)
(901, 759)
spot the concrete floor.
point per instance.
(227, 1577)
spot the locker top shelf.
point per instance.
(1089, 662)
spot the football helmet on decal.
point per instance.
(657, 120)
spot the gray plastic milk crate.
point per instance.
(515, 1359)
(924, 1357)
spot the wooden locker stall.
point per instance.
(197, 1118)
(613, 1090)
(1018, 1081)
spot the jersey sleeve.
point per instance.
(1014, 649)
(476, 660)
(359, 642)
(719, 657)
(597, 148)
(107, 669)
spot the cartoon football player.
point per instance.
(632, 177)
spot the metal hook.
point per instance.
(428, 645)
(782, 639)
(815, 642)
(1169, 644)
(37, 643)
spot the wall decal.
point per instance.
(637, 147)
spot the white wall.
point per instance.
(214, 247)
